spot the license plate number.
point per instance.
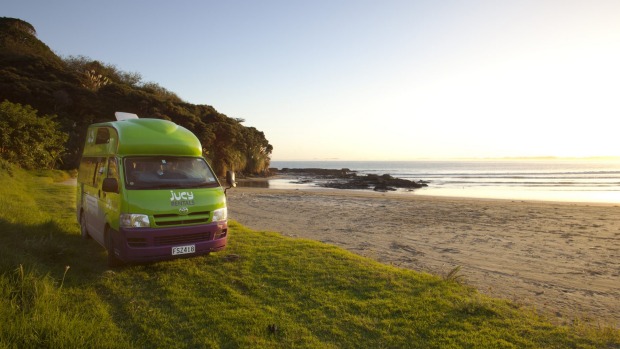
(183, 249)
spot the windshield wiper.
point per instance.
(201, 184)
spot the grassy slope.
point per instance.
(264, 290)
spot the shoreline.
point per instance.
(558, 257)
(263, 183)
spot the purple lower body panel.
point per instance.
(153, 244)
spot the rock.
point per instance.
(383, 187)
(378, 183)
(346, 179)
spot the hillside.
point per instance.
(81, 91)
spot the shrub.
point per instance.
(29, 140)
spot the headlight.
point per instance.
(132, 220)
(221, 214)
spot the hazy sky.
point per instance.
(370, 80)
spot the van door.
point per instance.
(110, 202)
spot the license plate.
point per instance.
(183, 249)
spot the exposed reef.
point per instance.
(347, 179)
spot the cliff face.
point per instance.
(81, 91)
(20, 38)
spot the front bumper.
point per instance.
(153, 244)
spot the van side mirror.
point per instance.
(110, 185)
(230, 179)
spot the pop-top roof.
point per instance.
(142, 137)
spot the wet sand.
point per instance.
(563, 259)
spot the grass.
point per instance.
(264, 291)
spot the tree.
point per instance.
(28, 140)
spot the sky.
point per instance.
(369, 80)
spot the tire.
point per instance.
(83, 229)
(113, 261)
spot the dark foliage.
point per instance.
(81, 91)
(27, 139)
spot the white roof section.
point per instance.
(125, 116)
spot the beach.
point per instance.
(561, 259)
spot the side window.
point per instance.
(100, 170)
(113, 168)
(87, 171)
(103, 136)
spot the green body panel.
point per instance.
(200, 202)
(112, 203)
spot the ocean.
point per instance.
(595, 181)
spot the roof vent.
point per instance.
(125, 116)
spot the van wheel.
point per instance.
(83, 229)
(113, 261)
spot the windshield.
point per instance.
(157, 172)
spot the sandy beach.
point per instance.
(563, 259)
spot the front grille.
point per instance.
(181, 239)
(137, 242)
(163, 220)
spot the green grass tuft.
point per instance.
(454, 275)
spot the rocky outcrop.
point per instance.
(346, 179)
(375, 182)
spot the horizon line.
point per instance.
(602, 157)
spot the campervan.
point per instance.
(146, 193)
